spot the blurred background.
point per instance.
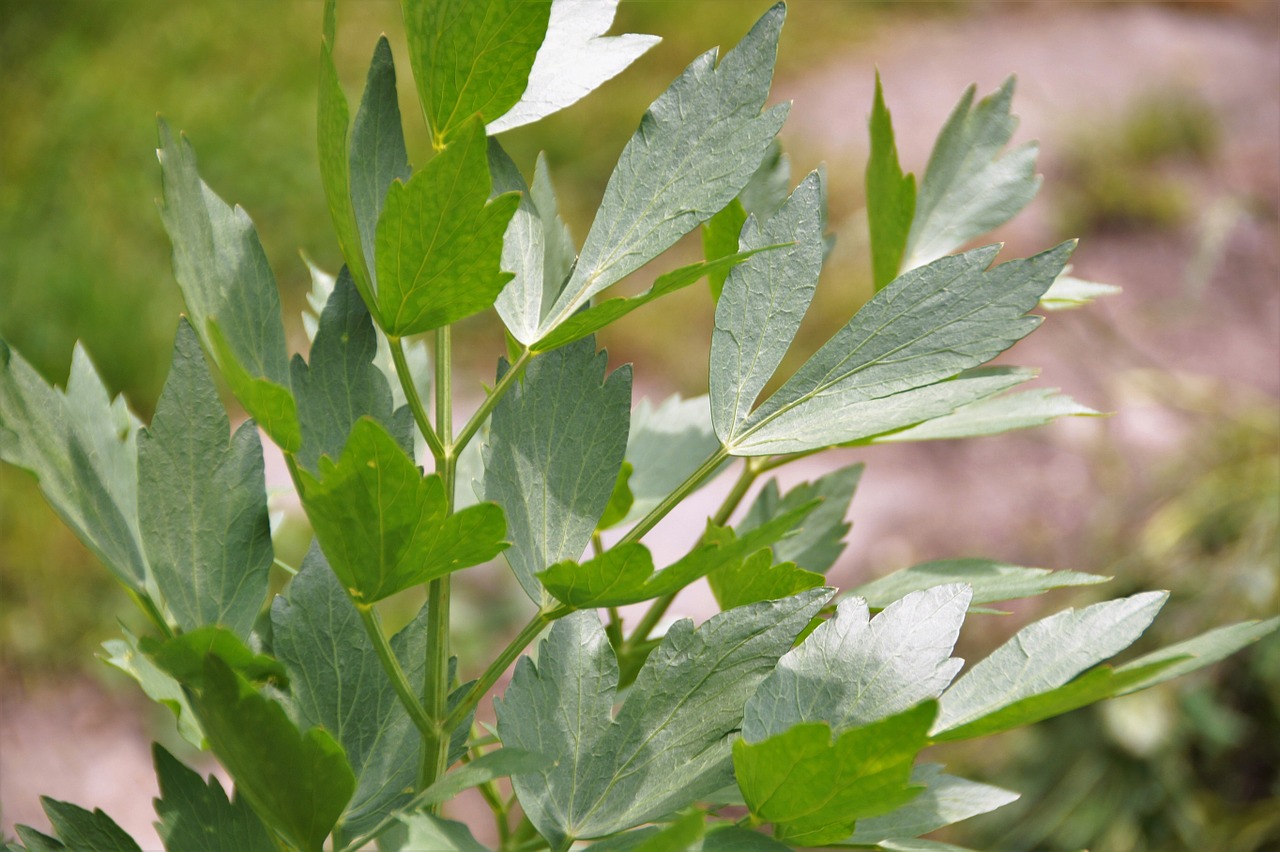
(1159, 126)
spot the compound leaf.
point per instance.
(472, 56)
(819, 540)
(82, 829)
(556, 444)
(696, 148)
(989, 580)
(576, 58)
(854, 669)
(968, 187)
(198, 817)
(439, 240)
(384, 526)
(891, 197)
(378, 155)
(202, 501)
(946, 799)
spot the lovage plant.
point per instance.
(796, 716)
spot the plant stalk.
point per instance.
(673, 499)
(415, 401)
(509, 378)
(391, 664)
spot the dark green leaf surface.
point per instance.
(339, 685)
(669, 744)
(35, 841)
(969, 188)
(472, 56)
(378, 155)
(695, 150)
(946, 799)
(576, 57)
(202, 501)
(927, 326)
(80, 829)
(819, 540)
(440, 240)
(341, 384)
(720, 238)
(81, 446)
(761, 578)
(198, 817)
(384, 526)
(620, 501)
(990, 581)
(269, 403)
(731, 838)
(183, 656)
(891, 197)
(854, 670)
(1045, 655)
(813, 786)
(555, 447)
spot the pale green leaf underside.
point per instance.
(158, 684)
(1068, 292)
(819, 540)
(993, 416)
(946, 799)
(989, 580)
(666, 445)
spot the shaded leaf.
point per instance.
(989, 580)
(333, 130)
(269, 403)
(198, 817)
(378, 155)
(620, 501)
(424, 831)
(891, 197)
(34, 841)
(182, 657)
(158, 684)
(88, 830)
(946, 799)
(819, 539)
(202, 501)
(487, 767)
(720, 238)
(666, 444)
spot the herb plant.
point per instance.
(796, 709)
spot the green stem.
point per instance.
(411, 394)
(673, 499)
(504, 384)
(391, 664)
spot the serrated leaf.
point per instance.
(1068, 292)
(341, 383)
(472, 56)
(424, 831)
(34, 841)
(198, 817)
(299, 782)
(1046, 654)
(669, 744)
(591, 319)
(763, 303)
(556, 444)
(384, 526)
(378, 155)
(993, 416)
(88, 830)
(81, 446)
(819, 539)
(813, 786)
(761, 578)
(989, 580)
(202, 501)
(667, 443)
(696, 148)
(339, 685)
(536, 246)
(1197, 652)
(928, 326)
(969, 188)
(891, 197)
(228, 287)
(158, 684)
(575, 58)
(182, 656)
(440, 240)
(854, 669)
(946, 799)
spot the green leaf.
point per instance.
(696, 148)
(378, 155)
(487, 767)
(927, 326)
(81, 446)
(731, 838)
(854, 669)
(556, 444)
(891, 197)
(669, 744)
(384, 526)
(342, 383)
(769, 187)
(591, 319)
(82, 829)
(472, 56)
(440, 240)
(1068, 292)
(333, 125)
(1046, 654)
(946, 799)
(762, 305)
(202, 501)
(992, 416)
(228, 288)
(1198, 652)
(159, 685)
(423, 831)
(720, 238)
(536, 247)
(339, 685)
(182, 656)
(919, 844)
(819, 539)
(198, 817)
(968, 187)
(666, 445)
(813, 786)
(299, 782)
(759, 578)
(34, 841)
(990, 581)
(576, 58)
(620, 501)
(728, 551)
